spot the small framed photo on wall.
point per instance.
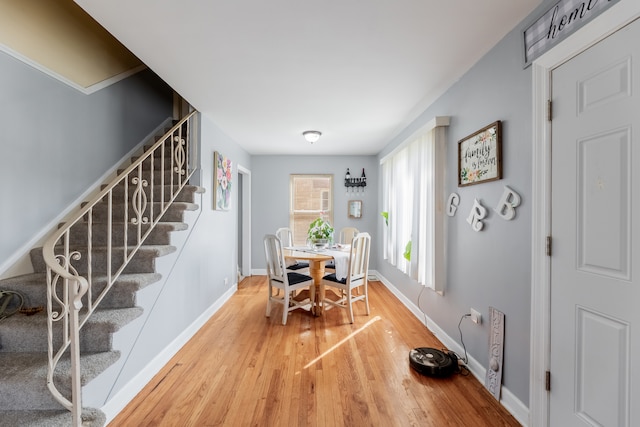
(354, 209)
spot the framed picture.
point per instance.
(354, 209)
(222, 173)
(480, 156)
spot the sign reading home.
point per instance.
(557, 23)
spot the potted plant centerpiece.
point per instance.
(320, 234)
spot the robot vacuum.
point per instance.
(432, 362)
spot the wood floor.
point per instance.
(244, 369)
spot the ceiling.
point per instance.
(263, 71)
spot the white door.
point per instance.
(595, 222)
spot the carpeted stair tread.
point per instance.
(123, 292)
(142, 262)
(51, 418)
(160, 235)
(19, 333)
(166, 225)
(174, 213)
(185, 195)
(32, 286)
(157, 164)
(24, 378)
(157, 250)
(146, 174)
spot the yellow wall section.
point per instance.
(60, 36)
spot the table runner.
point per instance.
(341, 257)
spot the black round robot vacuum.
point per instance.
(432, 362)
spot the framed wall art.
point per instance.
(480, 156)
(222, 173)
(354, 209)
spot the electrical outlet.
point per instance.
(476, 317)
(226, 281)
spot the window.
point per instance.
(325, 203)
(310, 197)
(413, 193)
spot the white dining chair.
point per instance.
(347, 234)
(286, 237)
(279, 278)
(357, 276)
(345, 237)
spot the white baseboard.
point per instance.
(510, 402)
(19, 262)
(116, 404)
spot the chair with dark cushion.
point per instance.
(357, 276)
(344, 238)
(286, 237)
(289, 281)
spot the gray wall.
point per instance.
(490, 268)
(56, 142)
(216, 258)
(270, 195)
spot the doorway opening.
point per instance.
(244, 223)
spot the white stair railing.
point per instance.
(129, 207)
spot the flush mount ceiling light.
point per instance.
(311, 135)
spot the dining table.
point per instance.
(317, 260)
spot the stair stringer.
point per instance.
(132, 340)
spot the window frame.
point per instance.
(326, 201)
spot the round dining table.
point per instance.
(317, 260)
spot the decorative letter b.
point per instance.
(507, 204)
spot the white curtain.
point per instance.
(409, 198)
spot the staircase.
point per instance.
(105, 236)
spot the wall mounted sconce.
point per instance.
(355, 185)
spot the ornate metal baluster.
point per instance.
(180, 158)
(74, 287)
(140, 201)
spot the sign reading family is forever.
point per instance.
(479, 156)
(557, 23)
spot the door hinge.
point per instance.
(547, 381)
(549, 110)
(548, 246)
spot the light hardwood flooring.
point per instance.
(245, 369)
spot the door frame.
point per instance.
(246, 220)
(605, 24)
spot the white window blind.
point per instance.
(413, 192)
